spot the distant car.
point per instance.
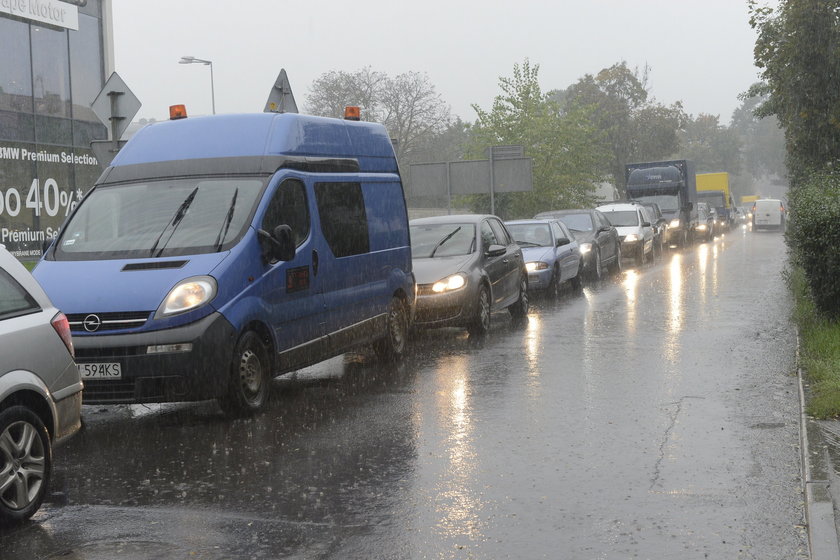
(768, 213)
(706, 223)
(466, 267)
(552, 255)
(659, 224)
(598, 240)
(634, 229)
(40, 389)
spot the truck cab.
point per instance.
(672, 186)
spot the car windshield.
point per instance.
(159, 218)
(441, 240)
(531, 235)
(666, 202)
(621, 218)
(577, 222)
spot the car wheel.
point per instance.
(392, 345)
(597, 269)
(577, 284)
(519, 310)
(25, 463)
(554, 288)
(617, 264)
(481, 322)
(640, 255)
(250, 377)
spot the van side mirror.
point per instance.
(645, 224)
(279, 245)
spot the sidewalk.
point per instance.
(820, 447)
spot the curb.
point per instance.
(823, 542)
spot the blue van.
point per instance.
(217, 252)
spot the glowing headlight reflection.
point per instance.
(188, 294)
(585, 248)
(454, 282)
(536, 265)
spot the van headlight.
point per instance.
(631, 237)
(450, 283)
(188, 294)
(674, 223)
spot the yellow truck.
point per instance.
(714, 189)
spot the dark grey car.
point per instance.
(466, 266)
(599, 243)
(40, 389)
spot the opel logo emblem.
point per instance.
(92, 323)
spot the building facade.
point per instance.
(56, 57)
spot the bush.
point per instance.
(814, 237)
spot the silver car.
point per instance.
(40, 389)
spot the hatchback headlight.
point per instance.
(188, 294)
(674, 223)
(536, 265)
(449, 284)
(585, 248)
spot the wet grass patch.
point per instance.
(819, 357)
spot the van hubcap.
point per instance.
(250, 372)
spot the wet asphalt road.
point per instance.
(653, 416)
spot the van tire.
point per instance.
(22, 499)
(392, 346)
(250, 377)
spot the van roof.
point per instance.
(261, 134)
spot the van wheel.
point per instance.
(249, 377)
(25, 463)
(519, 310)
(392, 345)
(480, 324)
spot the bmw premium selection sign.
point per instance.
(39, 187)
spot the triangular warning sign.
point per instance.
(281, 99)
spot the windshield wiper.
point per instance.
(176, 219)
(444, 240)
(220, 239)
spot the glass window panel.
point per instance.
(17, 126)
(15, 66)
(53, 130)
(51, 72)
(85, 67)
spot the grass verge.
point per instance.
(819, 340)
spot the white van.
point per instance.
(768, 213)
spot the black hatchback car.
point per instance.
(600, 246)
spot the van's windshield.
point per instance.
(159, 218)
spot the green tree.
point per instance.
(710, 145)
(633, 127)
(563, 145)
(798, 51)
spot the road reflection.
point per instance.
(671, 350)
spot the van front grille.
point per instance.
(102, 322)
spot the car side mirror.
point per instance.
(563, 241)
(495, 250)
(645, 224)
(279, 245)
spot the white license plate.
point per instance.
(102, 370)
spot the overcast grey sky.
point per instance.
(699, 51)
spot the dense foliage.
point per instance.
(814, 235)
(798, 50)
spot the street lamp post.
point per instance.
(194, 60)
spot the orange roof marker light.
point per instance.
(177, 112)
(352, 113)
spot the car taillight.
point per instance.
(62, 327)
